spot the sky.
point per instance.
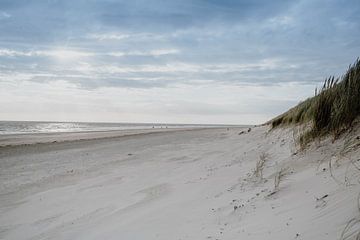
(157, 61)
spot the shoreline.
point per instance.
(13, 140)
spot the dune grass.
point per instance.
(260, 164)
(332, 110)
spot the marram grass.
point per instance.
(332, 110)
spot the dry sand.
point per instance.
(181, 184)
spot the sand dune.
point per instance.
(196, 184)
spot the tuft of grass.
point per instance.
(260, 164)
(278, 178)
(333, 109)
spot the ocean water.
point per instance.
(17, 127)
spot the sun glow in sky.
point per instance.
(184, 61)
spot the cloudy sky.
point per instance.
(185, 61)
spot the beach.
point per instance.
(177, 184)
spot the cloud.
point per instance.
(14, 53)
(67, 54)
(4, 15)
(182, 67)
(94, 75)
(58, 53)
(106, 36)
(153, 53)
(281, 21)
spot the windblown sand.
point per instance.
(188, 184)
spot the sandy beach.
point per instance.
(184, 184)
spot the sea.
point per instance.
(30, 127)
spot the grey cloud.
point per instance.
(210, 36)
